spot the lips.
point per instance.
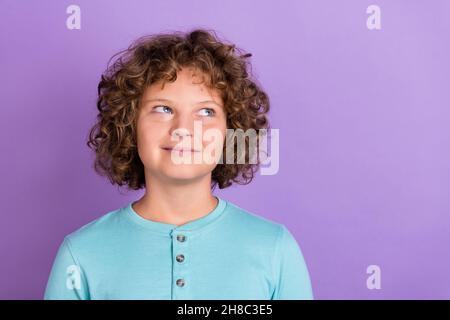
(179, 150)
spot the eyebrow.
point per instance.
(170, 101)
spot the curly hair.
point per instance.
(155, 58)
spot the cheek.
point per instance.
(219, 130)
(214, 140)
(148, 138)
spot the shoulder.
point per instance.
(254, 225)
(98, 231)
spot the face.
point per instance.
(182, 115)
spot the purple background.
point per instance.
(364, 132)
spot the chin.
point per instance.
(183, 172)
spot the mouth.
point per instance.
(179, 150)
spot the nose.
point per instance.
(182, 127)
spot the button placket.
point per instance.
(180, 261)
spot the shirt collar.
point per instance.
(167, 228)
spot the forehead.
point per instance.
(190, 85)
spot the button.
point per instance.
(180, 258)
(181, 237)
(180, 282)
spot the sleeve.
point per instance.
(67, 280)
(292, 276)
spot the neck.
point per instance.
(175, 202)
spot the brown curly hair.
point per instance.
(157, 57)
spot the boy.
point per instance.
(178, 241)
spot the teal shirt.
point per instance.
(229, 253)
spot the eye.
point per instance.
(210, 112)
(162, 109)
